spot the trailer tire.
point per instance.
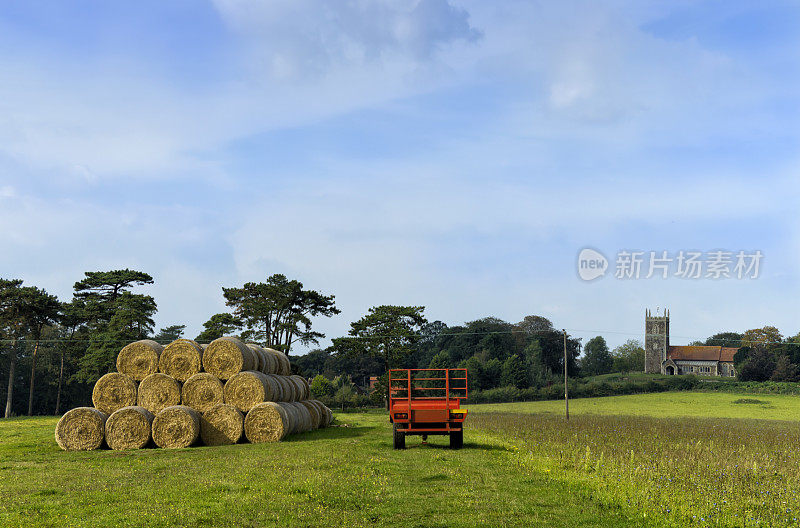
(399, 438)
(456, 439)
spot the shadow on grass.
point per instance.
(331, 432)
(446, 447)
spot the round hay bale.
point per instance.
(181, 359)
(259, 362)
(158, 391)
(284, 367)
(139, 359)
(287, 389)
(294, 417)
(275, 389)
(299, 389)
(222, 424)
(316, 415)
(227, 356)
(327, 415)
(202, 392)
(114, 391)
(270, 364)
(176, 426)
(306, 420)
(246, 389)
(81, 429)
(302, 386)
(267, 422)
(129, 428)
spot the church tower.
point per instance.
(656, 340)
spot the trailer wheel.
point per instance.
(456, 439)
(399, 438)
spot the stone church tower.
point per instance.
(656, 341)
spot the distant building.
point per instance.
(661, 357)
(372, 381)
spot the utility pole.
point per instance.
(566, 388)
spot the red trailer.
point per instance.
(427, 402)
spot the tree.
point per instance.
(758, 366)
(514, 372)
(345, 394)
(220, 325)
(440, 361)
(628, 357)
(785, 370)
(763, 338)
(321, 387)
(596, 357)
(114, 316)
(533, 324)
(24, 311)
(71, 323)
(278, 312)
(726, 339)
(43, 310)
(386, 332)
(169, 334)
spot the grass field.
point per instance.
(522, 465)
(665, 405)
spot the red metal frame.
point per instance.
(417, 406)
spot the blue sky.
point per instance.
(452, 154)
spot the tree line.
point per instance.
(56, 350)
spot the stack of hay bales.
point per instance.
(188, 394)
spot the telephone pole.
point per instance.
(566, 388)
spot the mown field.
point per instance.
(522, 465)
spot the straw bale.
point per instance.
(81, 429)
(139, 359)
(267, 422)
(176, 426)
(316, 415)
(222, 424)
(181, 359)
(287, 389)
(306, 422)
(276, 389)
(158, 391)
(284, 367)
(202, 391)
(303, 387)
(246, 389)
(227, 356)
(113, 391)
(129, 428)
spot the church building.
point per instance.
(661, 357)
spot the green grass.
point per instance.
(642, 460)
(663, 405)
(342, 476)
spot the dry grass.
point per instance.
(139, 359)
(158, 391)
(227, 356)
(267, 422)
(129, 428)
(246, 389)
(114, 391)
(81, 429)
(175, 427)
(181, 359)
(202, 392)
(222, 424)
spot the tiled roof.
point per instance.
(701, 353)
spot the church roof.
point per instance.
(701, 353)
